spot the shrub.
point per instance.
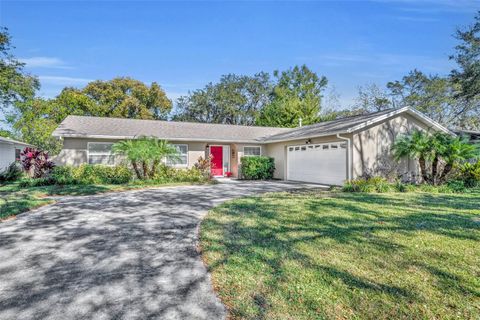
(38, 182)
(35, 162)
(456, 185)
(373, 184)
(203, 165)
(12, 173)
(469, 173)
(62, 175)
(257, 167)
(169, 174)
(100, 174)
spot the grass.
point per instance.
(15, 199)
(346, 256)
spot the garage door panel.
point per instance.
(317, 163)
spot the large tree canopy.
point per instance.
(467, 57)
(16, 85)
(120, 97)
(235, 99)
(296, 95)
(127, 98)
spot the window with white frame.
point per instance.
(251, 151)
(181, 160)
(100, 153)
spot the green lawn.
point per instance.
(15, 199)
(346, 256)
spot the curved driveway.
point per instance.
(128, 255)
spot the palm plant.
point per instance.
(145, 154)
(129, 149)
(442, 151)
(456, 150)
(416, 145)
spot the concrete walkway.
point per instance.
(128, 255)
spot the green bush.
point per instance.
(62, 175)
(469, 173)
(257, 168)
(100, 174)
(12, 173)
(370, 185)
(170, 174)
(377, 184)
(36, 182)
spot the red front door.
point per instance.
(216, 165)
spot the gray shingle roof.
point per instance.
(119, 128)
(8, 140)
(341, 125)
(79, 126)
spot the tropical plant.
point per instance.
(203, 165)
(417, 146)
(35, 162)
(470, 173)
(11, 173)
(145, 154)
(437, 153)
(454, 151)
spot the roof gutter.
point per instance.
(96, 136)
(349, 155)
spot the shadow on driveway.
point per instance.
(128, 255)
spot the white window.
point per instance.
(100, 153)
(181, 160)
(252, 151)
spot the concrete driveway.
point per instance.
(129, 255)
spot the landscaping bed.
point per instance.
(333, 255)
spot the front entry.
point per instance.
(216, 165)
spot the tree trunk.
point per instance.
(145, 169)
(446, 170)
(423, 169)
(137, 171)
(434, 179)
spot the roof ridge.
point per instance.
(171, 121)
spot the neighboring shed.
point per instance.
(10, 151)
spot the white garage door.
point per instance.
(324, 163)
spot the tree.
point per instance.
(417, 146)
(467, 56)
(235, 99)
(434, 96)
(15, 84)
(36, 118)
(145, 154)
(36, 121)
(128, 98)
(296, 95)
(372, 98)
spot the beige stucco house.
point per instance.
(327, 153)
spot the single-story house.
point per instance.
(10, 151)
(326, 153)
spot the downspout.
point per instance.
(349, 155)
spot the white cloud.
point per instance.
(64, 81)
(45, 62)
